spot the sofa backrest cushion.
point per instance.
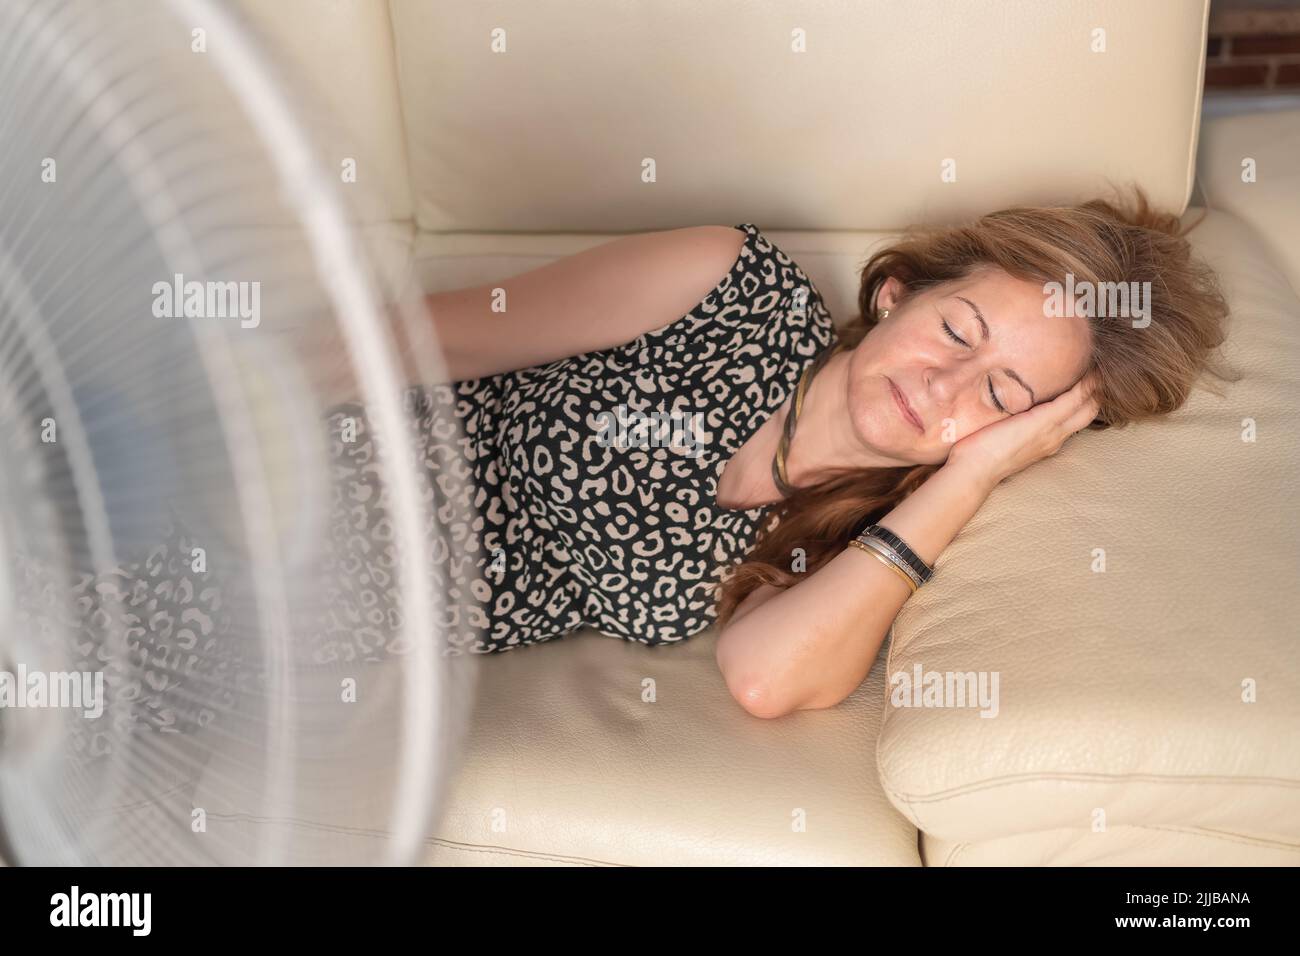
(611, 115)
(337, 61)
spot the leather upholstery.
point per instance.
(1138, 845)
(586, 751)
(550, 135)
(337, 59)
(1266, 193)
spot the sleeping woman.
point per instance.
(788, 480)
(667, 433)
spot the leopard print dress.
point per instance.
(596, 475)
(578, 494)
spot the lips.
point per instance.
(905, 408)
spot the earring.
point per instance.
(884, 314)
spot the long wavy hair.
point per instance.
(1140, 376)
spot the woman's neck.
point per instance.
(824, 440)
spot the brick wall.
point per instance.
(1253, 46)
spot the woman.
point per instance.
(954, 376)
(804, 480)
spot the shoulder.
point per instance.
(700, 256)
(722, 243)
(665, 276)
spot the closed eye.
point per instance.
(995, 398)
(952, 335)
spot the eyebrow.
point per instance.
(984, 333)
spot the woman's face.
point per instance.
(955, 387)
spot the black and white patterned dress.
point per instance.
(550, 522)
(582, 526)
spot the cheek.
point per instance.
(876, 419)
(963, 422)
(860, 409)
(948, 432)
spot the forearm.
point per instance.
(812, 644)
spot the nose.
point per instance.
(944, 385)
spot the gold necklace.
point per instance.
(779, 475)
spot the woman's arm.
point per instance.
(594, 299)
(809, 646)
(600, 297)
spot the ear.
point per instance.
(888, 294)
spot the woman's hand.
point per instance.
(1012, 444)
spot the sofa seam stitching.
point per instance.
(1091, 778)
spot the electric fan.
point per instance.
(204, 658)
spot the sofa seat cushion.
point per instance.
(592, 750)
(586, 750)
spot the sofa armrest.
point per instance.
(1161, 688)
(1249, 165)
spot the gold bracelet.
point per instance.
(886, 562)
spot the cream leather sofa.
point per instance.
(1122, 735)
